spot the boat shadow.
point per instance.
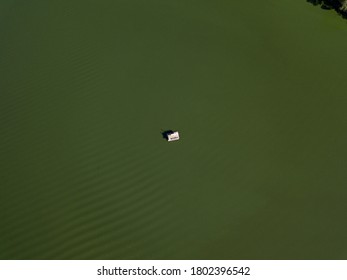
(165, 133)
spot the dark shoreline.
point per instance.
(340, 6)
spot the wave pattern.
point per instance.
(85, 92)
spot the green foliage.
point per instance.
(340, 6)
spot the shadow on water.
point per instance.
(340, 6)
(165, 133)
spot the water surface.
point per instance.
(257, 92)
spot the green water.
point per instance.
(257, 92)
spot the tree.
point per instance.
(343, 5)
(340, 6)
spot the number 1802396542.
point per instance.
(216, 270)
